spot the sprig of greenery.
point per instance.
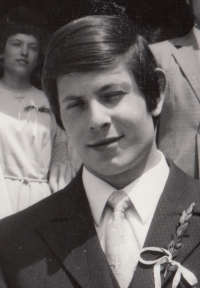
(175, 245)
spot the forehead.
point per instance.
(76, 83)
(23, 38)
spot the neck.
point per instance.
(15, 82)
(119, 181)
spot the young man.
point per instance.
(105, 90)
(179, 129)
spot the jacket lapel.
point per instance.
(185, 53)
(72, 237)
(166, 219)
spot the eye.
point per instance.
(75, 104)
(34, 48)
(16, 44)
(113, 96)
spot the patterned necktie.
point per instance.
(121, 246)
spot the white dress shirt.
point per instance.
(144, 193)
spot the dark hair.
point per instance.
(25, 21)
(95, 42)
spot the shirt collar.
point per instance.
(144, 192)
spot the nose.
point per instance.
(99, 116)
(24, 50)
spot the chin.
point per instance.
(111, 169)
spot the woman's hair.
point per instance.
(25, 21)
(95, 43)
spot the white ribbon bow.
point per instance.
(167, 258)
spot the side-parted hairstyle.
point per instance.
(94, 43)
(21, 20)
(25, 21)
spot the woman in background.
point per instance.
(35, 155)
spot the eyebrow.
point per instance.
(72, 97)
(123, 85)
(21, 41)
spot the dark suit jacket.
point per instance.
(179, 129)
(54, 243)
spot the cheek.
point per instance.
(129, 118)
(137, 123)
(7, 57)
(67, 119)
(34, 58)
(72, 126)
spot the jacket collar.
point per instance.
(185, 54)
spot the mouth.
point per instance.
(22, 61)
(105, 142)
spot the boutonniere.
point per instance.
(42, 109)
(29, 108)
(166, 262)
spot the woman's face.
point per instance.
(20, 55)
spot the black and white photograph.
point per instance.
(99, 144)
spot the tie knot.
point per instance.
(119, 201)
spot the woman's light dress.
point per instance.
(35, 155)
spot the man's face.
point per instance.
(20, 54)
(106, 117)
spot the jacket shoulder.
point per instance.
(166, 45)
(162, 51)
(187, 189)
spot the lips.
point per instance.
(105, 142)
(22, 61)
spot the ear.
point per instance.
(162, 80)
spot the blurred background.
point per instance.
(159, 19)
